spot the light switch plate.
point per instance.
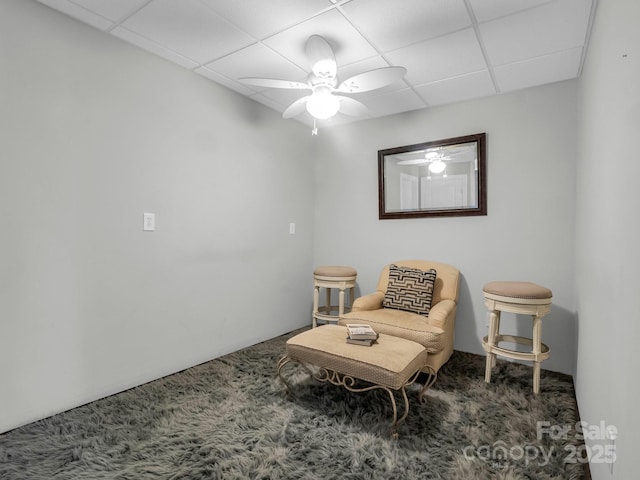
(148, 222)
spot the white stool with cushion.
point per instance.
(329, 277)
(524, 298)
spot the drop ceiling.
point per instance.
(453, 50)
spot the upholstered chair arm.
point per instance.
(441, 312)
(373, 301)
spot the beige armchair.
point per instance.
(434, 331)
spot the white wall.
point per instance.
(608, 233)
(528, 233)
(93, 133)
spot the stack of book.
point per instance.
(361, 334)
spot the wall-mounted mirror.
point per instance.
(439, 178)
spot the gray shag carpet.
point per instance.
(229, 418)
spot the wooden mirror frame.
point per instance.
(479, 207)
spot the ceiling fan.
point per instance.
(325, 99)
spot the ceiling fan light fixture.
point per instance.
(437, 167)
(322, 104)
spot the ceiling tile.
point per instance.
(464, 87)
(490, 9)
(348, 45)
(444, 44)
(259, 97)
(189, 28)
(440, 58)
(407, 22)
(112, 9)
(393, 102)
(222, 80)
(79, 13)
(549, 28)
(538, 71)
(262, 18)
(371, 63)
(153, 47)
(257, 61)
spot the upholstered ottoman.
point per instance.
(392, 363)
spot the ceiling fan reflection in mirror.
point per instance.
(325, 99)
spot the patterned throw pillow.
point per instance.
(409, 289)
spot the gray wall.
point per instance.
(608, 234)
(528, 233)
(93, 133)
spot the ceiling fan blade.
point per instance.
(378, 78)
(352, 107)
(274, 83)
(296, 108)
(321, 57)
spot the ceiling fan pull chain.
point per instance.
(314, 131)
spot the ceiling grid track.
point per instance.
(476, 29)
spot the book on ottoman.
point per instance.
(361, 334)
(367, 342)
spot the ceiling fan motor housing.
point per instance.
(314, 80)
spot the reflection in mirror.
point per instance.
(440, 178)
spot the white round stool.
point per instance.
(521, 298)
(329, 277)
